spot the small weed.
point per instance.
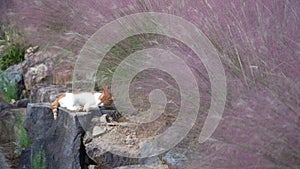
(161, 160)
(39, 159)
(23, 139)
(8, 90)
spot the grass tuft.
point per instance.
(14, 51)
(39, 160)
(12, 55)
(8, 89)
(23, 139)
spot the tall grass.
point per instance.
(12, 55)
(14, 51)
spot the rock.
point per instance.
(97, 131)
(19, 104)
(175, 157)
(61, 140)
(103, 119)
(22, 103)
(25, 159)
(39, 67)
(52, 64)
(3, 163)
(30, 51)
(8, 128)
(62, 75)
(111, 112)
(4, 106)
(46, 92)
(14, 74)
(35, 75)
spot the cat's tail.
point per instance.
(54, 105)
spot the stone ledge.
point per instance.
(61, 139)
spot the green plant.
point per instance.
(14, 51)
(3, 42)
(12, 55)
(161, 160)
(23, 139)
(8, 90)
(39, 159)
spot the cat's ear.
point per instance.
(105, 88)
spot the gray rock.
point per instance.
(175, 157)
(22, 103)
(14, 74)
(35, 75)
(25, 159)
(61, 140)
(19, 104)
(98, 130)
(41, 66)
(3, 163)
(4, 106)
(103, 118)
(46, 92)
(8, 124)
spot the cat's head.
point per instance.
(106, 97)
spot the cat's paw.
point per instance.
(86, 108)
(75, 108)
(79, 108)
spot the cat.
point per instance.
(85, 101)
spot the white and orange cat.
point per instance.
(84, 101)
